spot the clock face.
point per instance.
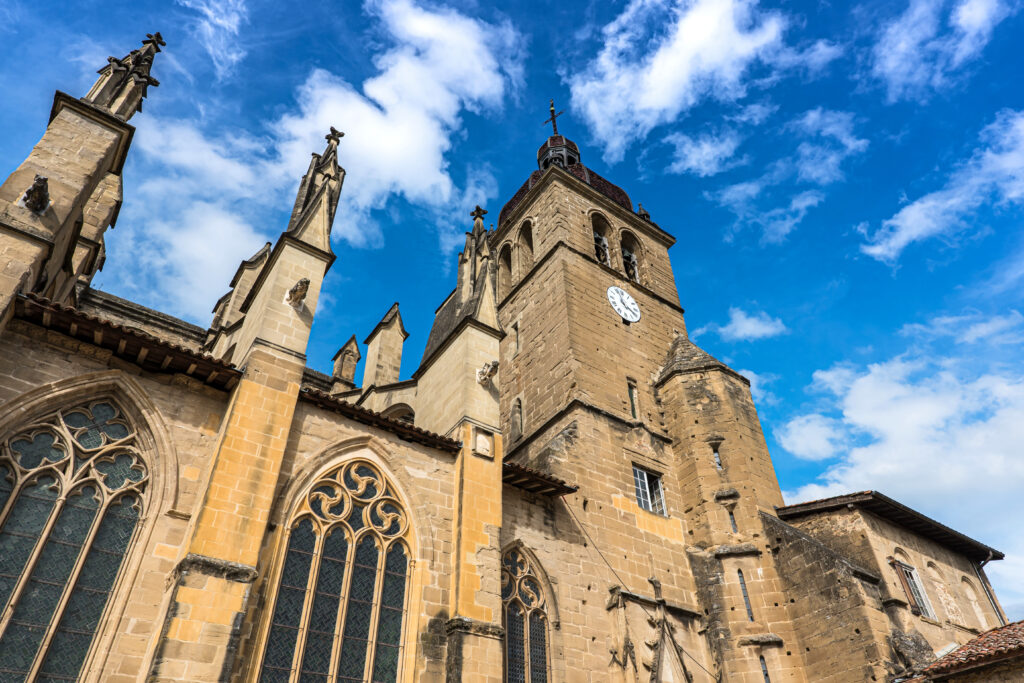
(625, 305)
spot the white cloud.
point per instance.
(779, 222)
(995, 172)
(399, 127)
(939, 437)
(705, 155)
(754, 114)
(921, 50)
(759, 382)
(811, 437)
(645, 76)
(743, 326)
(971, 328)
(819, 162)
(217, 29)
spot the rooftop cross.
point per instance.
(478, 212)
(553, 120)
(154, 39)
(334, 136)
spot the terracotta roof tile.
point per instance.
(998, 644)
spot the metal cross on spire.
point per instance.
(553, 120)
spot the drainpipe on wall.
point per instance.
(988, 593)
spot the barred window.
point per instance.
(339, 607)
(525, 620)
(72, 487)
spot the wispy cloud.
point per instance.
(400, 127)
(217, 27)
(670, 55)
(924, 48)
(743, 326)
(819, 161)
(971, 328)
(993, 174)
(704, 155)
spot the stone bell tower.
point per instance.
(55, 208)
(602, 387)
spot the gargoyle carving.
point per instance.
(297, 294)
(487, 372)
(37, 197)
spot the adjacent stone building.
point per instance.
(566, 489)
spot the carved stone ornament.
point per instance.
(37, 197)
(485, 374)
(297, 294)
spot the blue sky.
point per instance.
(845, 182)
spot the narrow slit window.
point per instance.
(746, 596)
(649, 493)
(732, 521)
(634, 408)
(718, 459)
(515, 338)
(764, 670)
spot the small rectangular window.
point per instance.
(914, 589)
(649, 494)
(634, 409)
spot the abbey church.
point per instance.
(566, 489)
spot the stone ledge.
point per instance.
(738, 549)
(473, 627)
(726, 494)
(761, 639)
(222, 569)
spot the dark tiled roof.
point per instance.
(402, 430)
(608, 189)
(133, 345)
(999, 644)
(887, 508)
(534, 481)
(557, 141)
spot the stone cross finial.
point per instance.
(553, 119)
(478, 213)
(154, 39)
(334, 137)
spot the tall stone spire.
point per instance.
(123, 83)
(319, 192)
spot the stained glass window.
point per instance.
(340, 600)
(60, 553)
(525, 614)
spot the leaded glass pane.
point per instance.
(37, 602)
(124, 468)
(360, 611)
(538, 649)
(389, 628)
(515, 658)
(88, 600)
(330, 583)
(21, 531)
(291, 594)
(92, 431)
(6, 484)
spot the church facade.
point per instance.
(567, 489)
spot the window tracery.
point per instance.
(72, 489)
(525, 619)
(340, 601)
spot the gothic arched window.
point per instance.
(525, 619)
(601, 230)
(72, 486)
(525, 247)
(504, 271)
(340, 601)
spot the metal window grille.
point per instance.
(72, 486)
(340, 598)
(526, 619)
(649, 493)
(746, 596)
